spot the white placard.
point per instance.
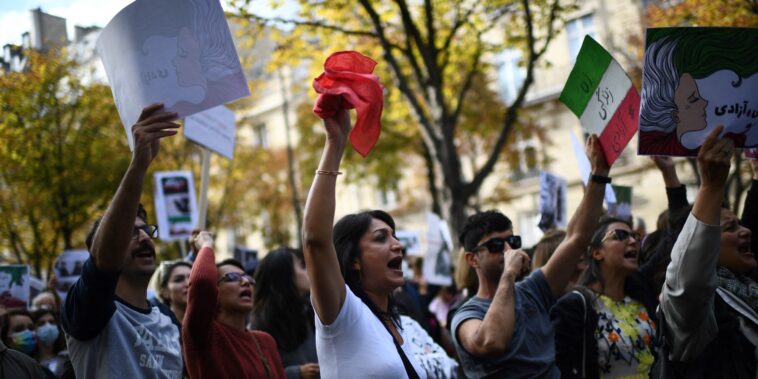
(14, 286)
(213, 129)
(178, 52)
(411, 240)
(553, 190)
(437, 266)
(175, 204)
(68, 269)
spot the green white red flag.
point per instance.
(601, 94)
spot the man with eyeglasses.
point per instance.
(505, 330)
(111, 330)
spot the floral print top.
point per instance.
(625, 335)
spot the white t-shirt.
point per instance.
(357, 345)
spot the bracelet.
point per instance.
(332, 173)
(600, 179)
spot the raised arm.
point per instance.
(750, 211)
(327, 284)
(202, 295)
(560, 267)
(490, 336)
(688, 292)
(112, 237)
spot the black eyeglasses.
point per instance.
(621, 235)
(235, 277)
(150, 229)
(497, 245)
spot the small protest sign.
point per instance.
(411, 240)
(553, 191)
(751, 154)
(213, 129)
(68, 269)
(177, 52)
(437, 267)
(693, 80)
(14, 286)
(601, 94)
(175, 204)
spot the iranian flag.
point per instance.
(601, 94)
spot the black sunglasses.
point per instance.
(235, 277)
(150, 229)
(497, 245)
(621, 235)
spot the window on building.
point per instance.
(260, 135)
(576, 29)
(526, 162)
(386, 198)
(510, 76)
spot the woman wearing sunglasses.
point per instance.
(605, 327)
(354, 266)
(216, 341)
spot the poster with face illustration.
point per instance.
(178, 52)
(693, 80)
(175, 204)
(67, 269)
(14, 286)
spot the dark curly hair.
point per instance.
(479, 225)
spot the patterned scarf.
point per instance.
(741, 286)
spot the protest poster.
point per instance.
(67, 269)
(248, 257)
(553, 190)
(437, 262)
(601, 94)
(623, 207)
(178, 52)
(213, 129)
(36, 285)
(14, 286)
(411, 240)
(751, 154)
(175, 204)
(694, 79)
(585, 168)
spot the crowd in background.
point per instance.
(599, 299)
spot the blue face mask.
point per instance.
(24, 341)
(47, 334)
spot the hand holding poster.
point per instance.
(585, 168)
(178, 52)
(213, 129)
(601, 94)
(175, 204)
(14, 286)
(693, 80)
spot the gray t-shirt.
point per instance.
(531, 351)
(108, 338)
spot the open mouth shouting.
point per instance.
(744, 249)
(396, 264)
(247, 294)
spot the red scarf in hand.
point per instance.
(348, 76)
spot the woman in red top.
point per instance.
(218, 344)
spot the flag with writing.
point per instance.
(601, 94)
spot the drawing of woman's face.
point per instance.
(189, 71)
(5, 281)
(690, 107)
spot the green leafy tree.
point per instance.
(434, 55)
(58, 165)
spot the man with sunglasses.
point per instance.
(111, 330)
(505, 330)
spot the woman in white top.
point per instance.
(354, 268)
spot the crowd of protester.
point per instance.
(598, 299)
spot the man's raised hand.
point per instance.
(153, 124)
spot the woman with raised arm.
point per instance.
(709, 305)
(354, 267)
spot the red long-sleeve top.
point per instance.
(213, 349)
